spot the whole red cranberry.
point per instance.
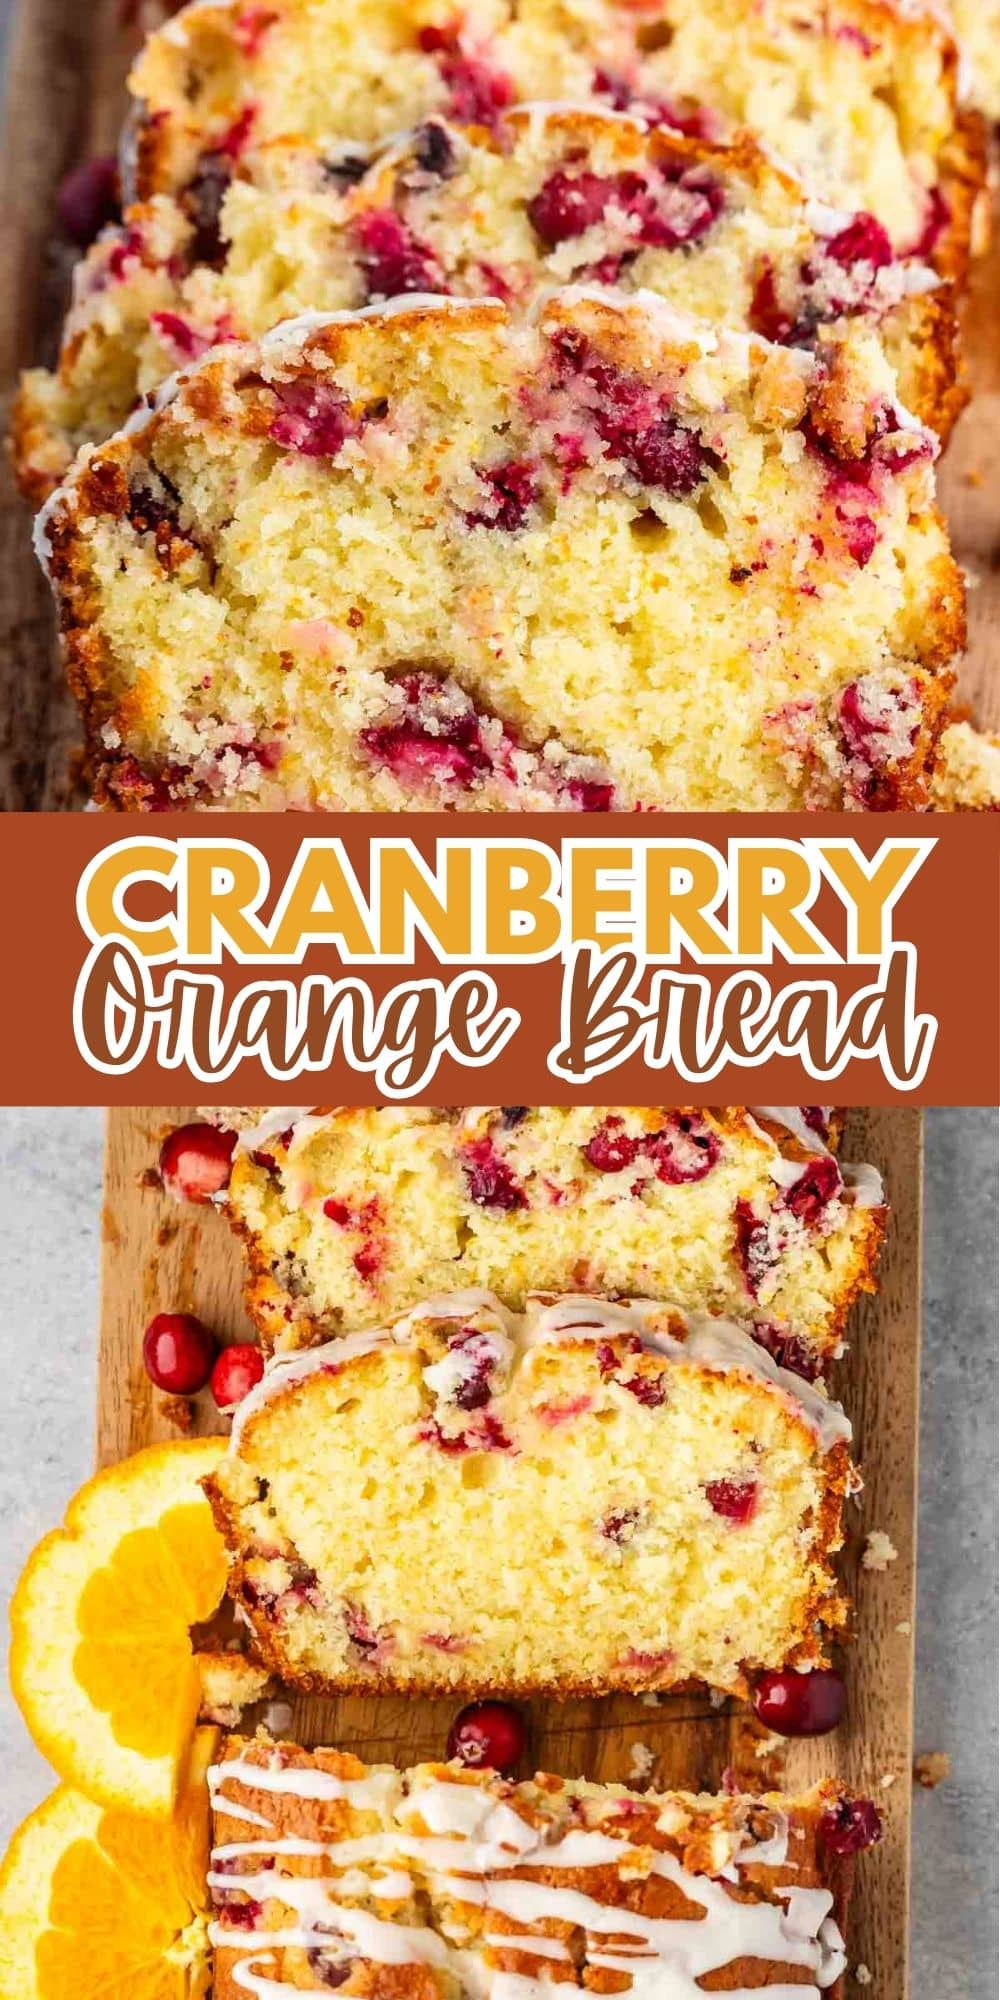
(488, 1735)
(177, 1352)
(793, 1704)
(237, 1371)
(88, 199)
(196, 1161)
(850, 1826)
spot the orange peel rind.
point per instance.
(103, 1905)
(101, 1660)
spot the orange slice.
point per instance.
(101, 1659)
(105, 1906)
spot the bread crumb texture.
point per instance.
(434, 558)
(352, 1216)
(454, 1504)
(548, 196)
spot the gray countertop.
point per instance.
(50, 1203)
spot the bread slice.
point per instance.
(590, 1498)
(350, 1216)
(859, 95)
(427, 557)
(447, 1875)
(549, 197)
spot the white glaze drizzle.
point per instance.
(719, 1344)
(284, 1370)
(374, 1791)
(789, 1117)
(539, 1947)
(244, 1814)
(286, 1117)
(862, 1183)
(703, 1340)
(473, 1843)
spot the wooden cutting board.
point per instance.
(161, 1256)
(64, 102)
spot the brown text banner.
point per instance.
(363, 959)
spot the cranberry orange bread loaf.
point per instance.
(351, 1216)
(859, 95)
(425, 557)
(327, 1872)
(667, 1500)
(549, 196)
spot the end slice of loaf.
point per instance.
(327, 1872)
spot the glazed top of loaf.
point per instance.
(701, 1338)
(505, 1873)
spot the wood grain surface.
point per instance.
(160, 1256)
(64, 101)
